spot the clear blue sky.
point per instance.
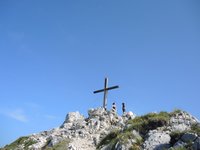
(53, 54)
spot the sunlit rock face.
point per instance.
(107, 130)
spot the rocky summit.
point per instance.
(106, 130)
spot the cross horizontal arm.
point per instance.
(113, 87)
(110, 88)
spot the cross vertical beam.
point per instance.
(105, 90)
(105, 93)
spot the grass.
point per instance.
(175, 136)
(175, 112)
(195, 128)
(27, 142)
(135, 147)
(148, 122)
(125, 136)
(122, 137)
(59, 146)
(109, 139)
(22, 140)
(180, 148)
(143, 124)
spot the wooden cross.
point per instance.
(105, 90)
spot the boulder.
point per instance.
(182, 121)
(54, 140)
(196, 145)
(98, 112)
(188, 137)
(179, 144)
(156, 140)
(73, 116)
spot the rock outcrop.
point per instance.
(107, 130)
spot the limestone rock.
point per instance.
(73, 116)
(96, 112)
(181, 121)
(156, 140)
(80, 133)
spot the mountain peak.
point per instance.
(105, 130)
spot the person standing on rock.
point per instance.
(123, 108)
(114, 108)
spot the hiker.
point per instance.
(123, 108)
(114, 108)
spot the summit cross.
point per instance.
(105, 90)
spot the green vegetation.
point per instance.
(21, 141)
(26, 142)
(143, 124)
(175, 136)
(122, 137)
(109, 139)
(195, 128)
(176, 111)
(59, 146)
(125, 135)
(179, 148)
(148, 122)
(135, 147)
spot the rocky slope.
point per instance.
(106, 130)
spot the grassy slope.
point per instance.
(143, 124)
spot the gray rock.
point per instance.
(106, 147)
(126, 145)
(54, 140)
(196, 145)
(188, 137)
(179, 144)
(85, 133)
(128, 115)
(73, 116)
(96, 112)
(120, 146)
(156, 140)
(179, 127)
(182, 121)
